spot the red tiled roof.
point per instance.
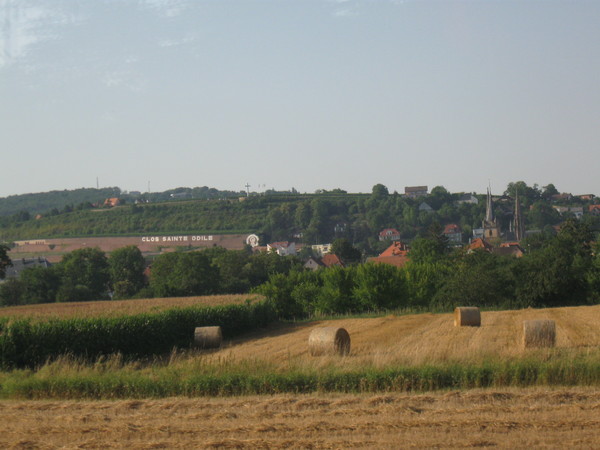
(396, 249)
(451, 228)
(398, 261)
(331, 259)
(480, 243)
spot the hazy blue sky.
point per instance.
(304, 94)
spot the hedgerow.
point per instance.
(27, 343)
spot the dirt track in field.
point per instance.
(563, 418)
(420, 338)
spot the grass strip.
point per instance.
(160, 382)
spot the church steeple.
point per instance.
(490, 227)
(519, 225)
(489, 211)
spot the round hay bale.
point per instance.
(467, 316)
(539, 333)
(329, 341)
(208, 337)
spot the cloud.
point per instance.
(345, 8)
(166, 8)
(24, 25)
(124, 79)
(164, 43)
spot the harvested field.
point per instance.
(119, 307)
(420, 338)
(562, 418)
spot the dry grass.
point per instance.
(418, 339)
(563, 418)
(118, 307)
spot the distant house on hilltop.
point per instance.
(453, 233)
(415, 191)
(468, 199)
(283, 248)
(389, 234)
(110, 202)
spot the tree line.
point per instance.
(556, 270)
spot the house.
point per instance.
(283, 248)
(453, 233)
(509, 249)
(415, 191)
(505, 249)
(396, 249)
(321, 249)
(469, 199)
(425, 207)
(562, 197)
(331, 259)
(313, 264)
(577, 211)
(111, 202)
(328, 260)
(586, 197)
(19, 265)
(594, 210)
(389, 234)
(478, 233)
(395, 255)
(479, 244)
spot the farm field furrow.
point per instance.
(530, 417)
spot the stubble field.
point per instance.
(545, 415)
(562, 418)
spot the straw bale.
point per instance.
(539, 333)
(208, 337)
(467, 316)
(329, 341)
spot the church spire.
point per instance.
(489, 211)
(519, 225)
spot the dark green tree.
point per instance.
(379, 286)
(4, 259)
(40, 284)
(344, 250)
(183, 274)
(126, 268)
(84, 275)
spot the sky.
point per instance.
(312, 94)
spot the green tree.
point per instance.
(40, 284)
(183, 274)
(126, 268)
(379, 286)
(479, 278)
(84, 275)
(344, 250)
(4, 260)
(11, 292)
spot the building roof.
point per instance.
(451, 228)
(396, 249)
(282, 244)
(331, 259)
(398, 261)
(479, 243)
(513, 250)
(409, 189)
(388, 232)
(18, 265)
